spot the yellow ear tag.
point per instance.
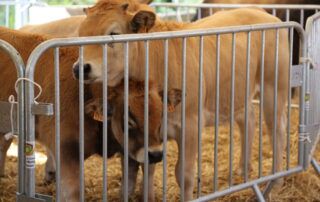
(170, 108)
(98, 116)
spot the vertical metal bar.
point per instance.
(200, 116)
(304, 92)
(246, 107)
(146, 122)
(178, 14)
(188, 14)
(29, 164)
(302, 17)
(126, 119)
(287, 15)
(57, 121)
(165, 120)
(210, 11)
(81, 124)
(303, 156)
(22, 132)
(289, 97)
(275, 101)
(199, 13)
(274, 12)
(233, 66)
(263, 44)
(7, 15)
(183, 117)
(105, 121)
(216, 124)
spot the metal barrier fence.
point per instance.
(165, 40)
(312, 92)
(308, 105)
(188, 12)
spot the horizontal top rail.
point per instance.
(36, 53)
(266, 6)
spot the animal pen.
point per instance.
(218, 146)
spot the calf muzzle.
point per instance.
(155, 157)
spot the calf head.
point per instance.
(136, 117)
(112, 17)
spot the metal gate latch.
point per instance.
(45, 109)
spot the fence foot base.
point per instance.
(37, 198)
(258, 193)
(315, 165)
(268, 188)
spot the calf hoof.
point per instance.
(50, 177)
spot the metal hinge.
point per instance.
(306, 130)
(296, 76)
(45, 109)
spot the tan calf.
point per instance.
(114, 18)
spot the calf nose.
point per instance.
(155, 157)
(86, 71)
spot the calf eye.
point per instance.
(132, 121)
(132, 124)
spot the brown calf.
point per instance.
(45, 130)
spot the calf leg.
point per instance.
(4, 146)
(50, 169)
(151, 170)
(70, 172)
(191, 147)
(280, 123)
(240, 119)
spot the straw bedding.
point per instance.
(299, 187)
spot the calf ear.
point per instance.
(174, 98)
(94, 108)
(143, 20)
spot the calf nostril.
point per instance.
(86, 71)
(155, 157)
(86, 68)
